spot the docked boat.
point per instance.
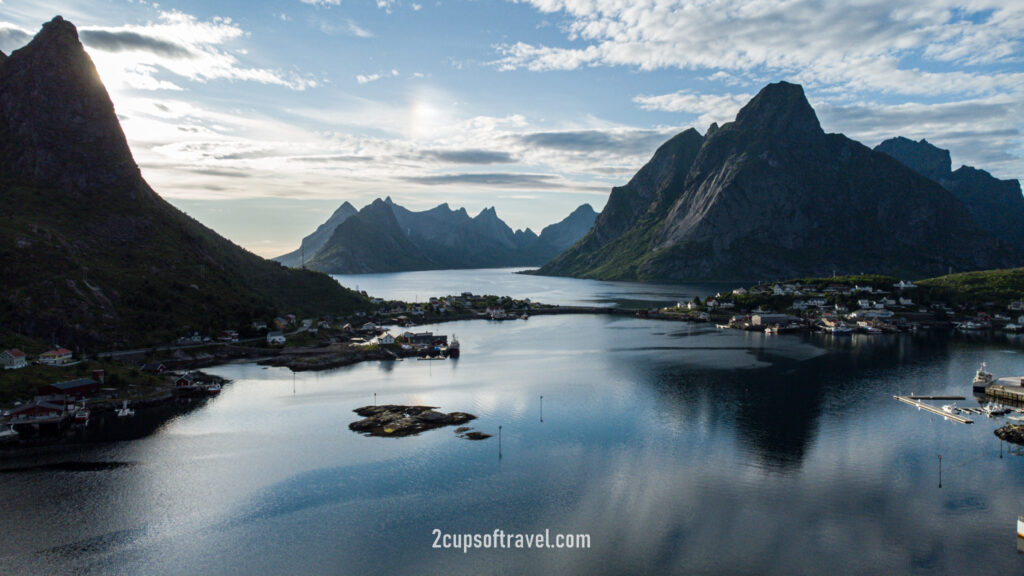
(453, 347)
(124, 411)
(982, 378)
(773, 329)
(82, 415)
(951, 409)
(1020, 526)
(839, 329)
(971, 326)
(993, 409)
(213, 389)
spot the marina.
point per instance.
(928, 407)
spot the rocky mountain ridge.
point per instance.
(771, 195)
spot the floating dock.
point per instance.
(922, 406)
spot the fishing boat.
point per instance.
(982, 378)
(453, 347)
(124, 411)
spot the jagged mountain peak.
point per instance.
(780, 109)
(57, 122)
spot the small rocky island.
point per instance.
(1011, 433)
(393, 420)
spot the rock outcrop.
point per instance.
(394, 421)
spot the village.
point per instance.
(840, 308)
(56, 392)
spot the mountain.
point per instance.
(771, 195)
(996, 205)
(564, 234)
(314, 242)
(386, 237)
(93, 257)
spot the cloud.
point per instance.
(322, 2)
(470, 156)
(178, 44)
(500, 180)
(708, 107)
(877, 44)
(12, 37)
(125, 41)
(357, 31)
(627, 142)
(367, 78)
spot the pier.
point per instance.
(1013, 394)
(913, 401)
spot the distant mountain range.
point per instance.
(386, 237)
(996, 205)
(92, 256)
(771, 195)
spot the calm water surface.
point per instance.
(679, 448)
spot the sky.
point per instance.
(259, 117)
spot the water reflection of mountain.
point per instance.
(775, 409)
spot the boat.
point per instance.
(1013, 328)
(951, 409)
(773, 329)
(723, 326)
(840, 329)
(1020, 526)
(82, 414)
(982, 378)
(453, 347)
(213, 389)
(525, 317)
(993, 409)
(971, 325)
(124, 411)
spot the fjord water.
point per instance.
(679, 448)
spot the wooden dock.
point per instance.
(922, 406)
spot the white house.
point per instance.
(902, 285)
(385, 338)
(906, 301)
(275, 337)
(13, 359)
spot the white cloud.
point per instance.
(178, 44)
(707, 107)
(871, 44)
(322, 2)
(367, 78)
(356, 30)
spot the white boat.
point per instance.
(951, 409)
(8, 433)
(982, 378)
(993, 409)
(840, 329)
(773, 329)
(1013, 328)
(125, 411)
(1020, 526)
